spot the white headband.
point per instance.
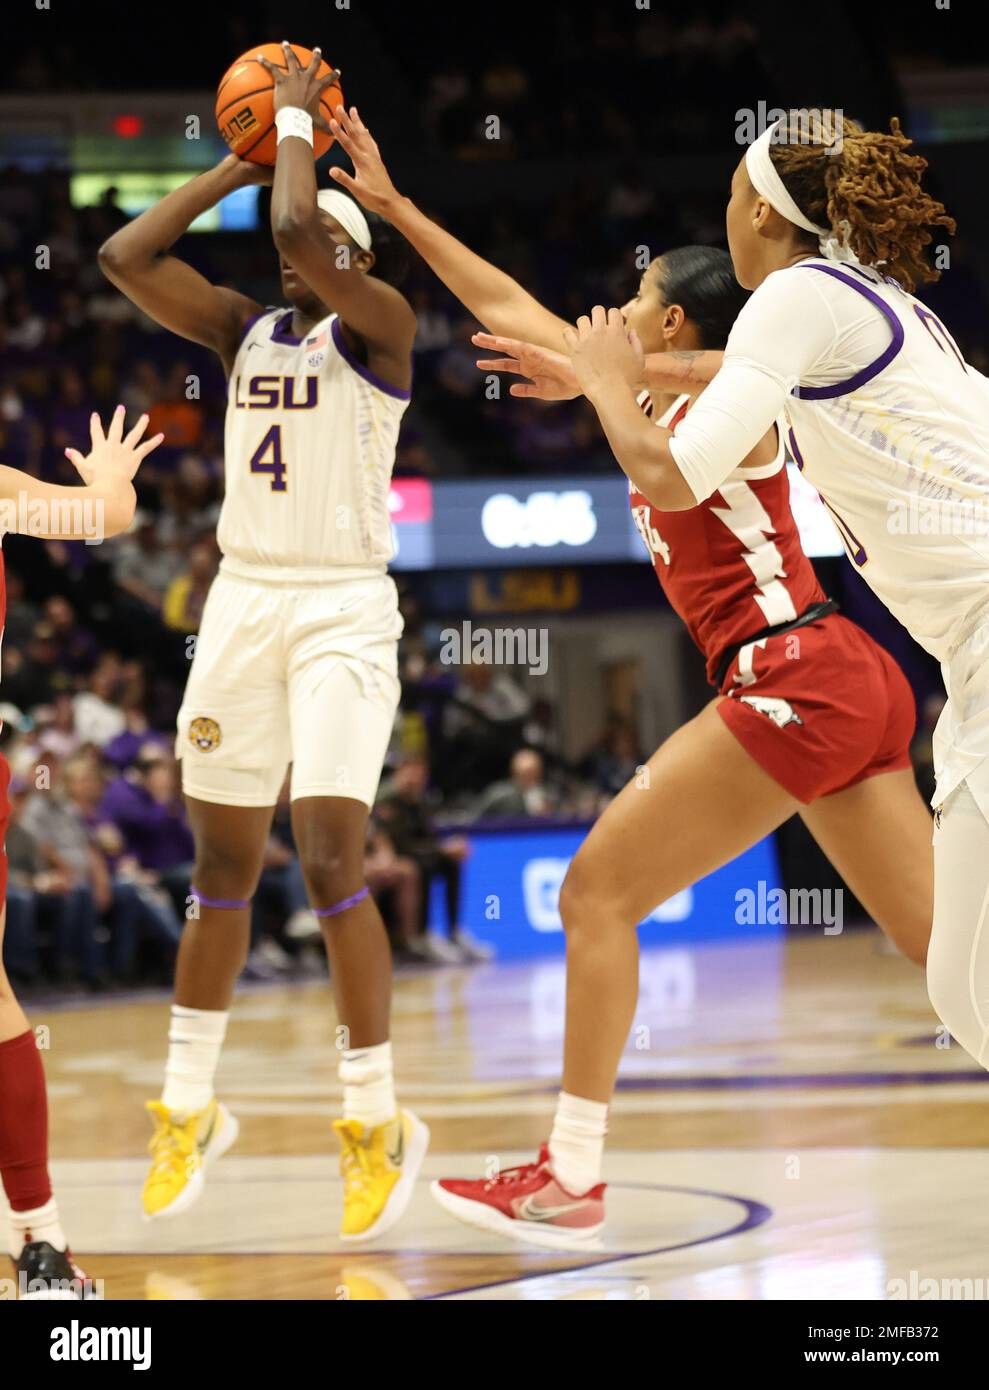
(765, 180)
(347, 213)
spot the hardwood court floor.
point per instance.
(789, 1125)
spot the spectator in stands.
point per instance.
(613, 762)
(396, 882)
(189, 503)
(178, 413)
(76, 649)
(483, 725)
(56, 725)
(22, 614)
(78, 883)
(124, 749)
(432, 326)
(70, 413)
(98, 717)
(142, 567)
(142, 389)
(402, 814)
(525, 793)
(30, 677)
(25, 327)
(146, 806)
(281, 919)
(182, 609)
(139, 907)
(21, 432)
(27, 877)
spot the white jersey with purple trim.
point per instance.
(891, 425)
(888, 422)
(309, 448)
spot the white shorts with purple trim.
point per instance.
(286, 673)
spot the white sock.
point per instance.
(577, 1142)
(195, 1039)
(368, 1085)
(40, 1224)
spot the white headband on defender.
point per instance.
(347, 213)
(765, 180)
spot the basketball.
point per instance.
(245, 104)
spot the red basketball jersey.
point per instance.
(733, 565)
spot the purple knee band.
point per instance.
(343, 904)
(232, 903)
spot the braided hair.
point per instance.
(865, 183)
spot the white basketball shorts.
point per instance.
(289, 673)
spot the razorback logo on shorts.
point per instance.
(205, 735)
(781, 712)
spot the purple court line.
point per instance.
(821, 1080)
(756, 1214)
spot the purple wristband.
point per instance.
(232, 903)
(343, 904)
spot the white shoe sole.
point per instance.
(401, 1193)
(485, 1218)
(193, 1189)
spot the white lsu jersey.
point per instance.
(309, 448)
(899, 452)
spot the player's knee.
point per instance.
(329, 873)
(224, 871)
(586, 900)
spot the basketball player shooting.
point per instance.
(296, 660)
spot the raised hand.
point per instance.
(299, 86)
(551, 374)
(370, 183)
(242, 173)
(113, 456)
(603, 351)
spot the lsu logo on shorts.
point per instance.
(205, 735)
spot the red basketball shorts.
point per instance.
(820, 708)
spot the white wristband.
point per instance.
(292, 120)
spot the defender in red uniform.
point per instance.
(811, 716)
(809, 695)
(104, 506)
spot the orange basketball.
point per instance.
(245, 103)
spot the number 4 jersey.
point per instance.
(734, 564)
(309, 449)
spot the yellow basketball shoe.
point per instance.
(379, 1167)
(181, 1148)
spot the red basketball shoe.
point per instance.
(527, 1204)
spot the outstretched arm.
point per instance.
(52, 512)
(494, 298)
(551, 376)
(136, 259)
(608, 363)
(680, 371)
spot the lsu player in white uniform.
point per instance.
(888, 421)
(296, 658)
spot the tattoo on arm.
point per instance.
(685, 362)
